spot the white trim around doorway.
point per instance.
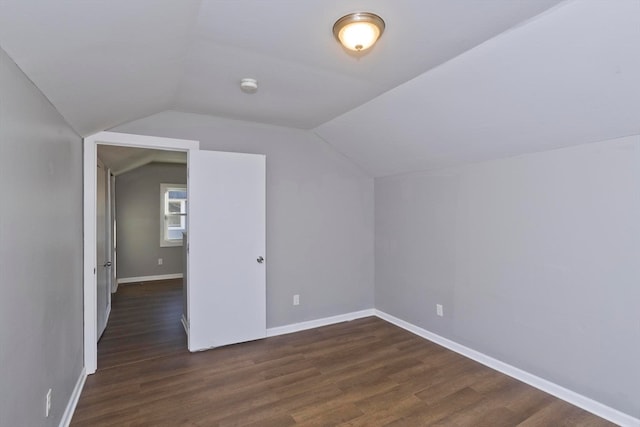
(89, 220)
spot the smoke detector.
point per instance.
(249, 85)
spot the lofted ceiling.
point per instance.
(450, 81)
(570, 77)
(106, 62)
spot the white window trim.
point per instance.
(164, 243)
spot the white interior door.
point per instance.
(103, 291)
(226, 234)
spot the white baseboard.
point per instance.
(124, 280)
(560, 392)
(185, 324)
(296, 327)
(73, 400)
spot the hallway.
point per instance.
(144, 324)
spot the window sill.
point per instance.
(168, 244)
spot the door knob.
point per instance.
(260, 260)
(107, 264)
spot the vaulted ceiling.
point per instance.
(450, 81)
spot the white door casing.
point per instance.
(103, 291)
(113, 284)
(89, 221)
(227, 231)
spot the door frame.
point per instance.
(106, 172)
(90, 158)
(112, 233)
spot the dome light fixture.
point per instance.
(358, 31)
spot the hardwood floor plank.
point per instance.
(366, 372)
(562, 414)
(427, 415)
(386, 408)
(334, 416)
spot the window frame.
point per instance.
(164, 189)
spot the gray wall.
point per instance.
(319, 213)
(40, 253)
(138, 221)
(536, 260)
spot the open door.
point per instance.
(226, 287)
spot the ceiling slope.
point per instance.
(568, 77)
(106, 62)
(305, 77)
(100, 62)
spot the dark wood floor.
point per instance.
(361, 373)
(144, 324)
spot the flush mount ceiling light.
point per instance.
(358, 31)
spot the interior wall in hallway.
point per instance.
(138, 221)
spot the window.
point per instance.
(173, 214)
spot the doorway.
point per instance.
(90, 160)
(141, 316)
(226, 274)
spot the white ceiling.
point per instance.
(124, 159)
(570, 77)
(106, 62)
(450, 81)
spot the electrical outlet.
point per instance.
(47, 404)
(159, 261)
(439, 310)
(296, 299)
